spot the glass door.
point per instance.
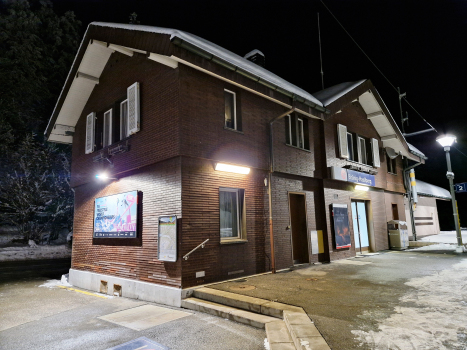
(360, 225)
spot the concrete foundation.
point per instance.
(126, 288)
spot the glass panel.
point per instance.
(356, 235)
(362, 224)
(229, 109)
(228, 203)
(123, 120)
(107, 129)
(362, 150)
(300, 133)
(350, 146)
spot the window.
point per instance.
(362, 154)
(107, 132)
(391, 165)
(350, 147)
(123, 119)
(232, 226)
(296, 132)
(230, 110)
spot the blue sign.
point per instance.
(360, 178)
(462, 187)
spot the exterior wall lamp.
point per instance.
(361, 188)
(232, 168)
(104, 177)
(446, 141)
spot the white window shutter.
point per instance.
(375, 151)
(90, 122)
(342, 140)
(133, 108)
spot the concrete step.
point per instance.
(260, 306)
(303, 332)
(278, 336)
(228, 312)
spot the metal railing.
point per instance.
(200, 245)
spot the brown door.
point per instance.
(299, 231)
(395, 213)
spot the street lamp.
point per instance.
(446, 141)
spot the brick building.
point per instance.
(165, 115)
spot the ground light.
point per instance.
(232, 168)
(362, 188)
(446, 141)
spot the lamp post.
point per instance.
(446, 141)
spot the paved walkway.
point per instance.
(394, 300)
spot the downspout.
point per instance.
(271, 170)
(409, 190)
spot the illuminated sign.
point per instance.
(116, 216)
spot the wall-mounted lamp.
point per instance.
(362, 188)
(232, 168)
(105, 177)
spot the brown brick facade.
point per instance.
(171, 162)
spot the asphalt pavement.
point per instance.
(393, 300)
(38, 314)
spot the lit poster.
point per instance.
(167, 238)
(115, 216)
(341, 226)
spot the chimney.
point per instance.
(257, 57)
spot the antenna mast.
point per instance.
(320, 56)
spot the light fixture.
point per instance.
(362, 188)
(232, 168)
(104, 177)
(446, 140)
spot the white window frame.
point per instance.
(289, 117)
(350, 146)
(301, 134)
(107, 141)
(239, 222)
(123, 127)
(361, 152)
(234, 109)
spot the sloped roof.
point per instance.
(220, 52)
(376, 112)
(429, 190)
(330, 94)
(416, 151)
(93, 55)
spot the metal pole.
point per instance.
(450, 176)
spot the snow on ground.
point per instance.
(39, 252)
(445, 237)
(439, 246)
(432, 315)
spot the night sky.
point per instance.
(420, 46)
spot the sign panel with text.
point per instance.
(116, 216)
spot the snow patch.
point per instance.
(266, 344)
(432, 316)
(34, 253)
(439, 246)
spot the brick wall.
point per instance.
(353, 116)
(343, 193)
(200, 206)
(130, 258)
(158, 138)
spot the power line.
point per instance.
(384, 76)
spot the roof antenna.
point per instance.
(320, 57)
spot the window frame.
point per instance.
(235, 124)
(362, 152)
(350, 147)
(300, 133)
(123, 126)
(391, 165)
(107, 134)
(240, 219)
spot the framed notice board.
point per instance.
(341, 225)
(167, 239)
